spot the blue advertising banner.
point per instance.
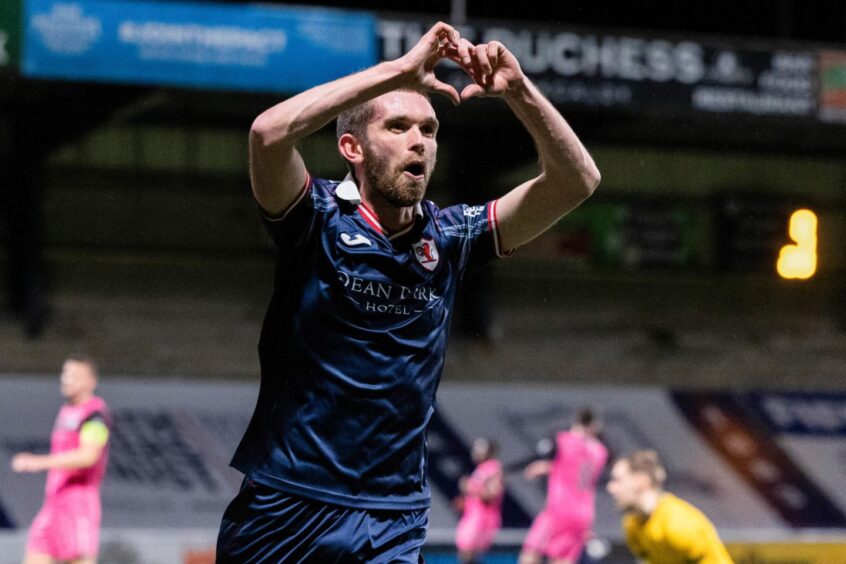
(801, 413)
(258, 48)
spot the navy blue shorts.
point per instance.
(265, 525)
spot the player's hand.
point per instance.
(534, 470)
(26, 462)
(494, 69)
(440, 42)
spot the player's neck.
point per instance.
(392, 218)
(80, 399)
(649, 501)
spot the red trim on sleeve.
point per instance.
(495, 229)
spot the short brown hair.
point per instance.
(354, 120)
(647, 462)
(586, 417)
(85, 359)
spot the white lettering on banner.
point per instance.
(726, 99)
(789, 73)
(396, 35)
(335, 35)
(772, 80)
(213, 37)
(564, 91)
(400, 36)
(793, 62)
(785, 88)
(628, 58)
(66, 29)
(569, 54)
(812, 414)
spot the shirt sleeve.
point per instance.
(94, 431)
(475, 231)
(291, 227)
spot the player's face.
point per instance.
(77, 380)
(401, 149)
(480, 451)
(625, 486)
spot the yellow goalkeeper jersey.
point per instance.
(675, 533)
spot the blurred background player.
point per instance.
(560, 531)
(67, 528)
(659, 527)
(482, 493)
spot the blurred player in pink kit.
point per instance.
(67, 528)
(560, 531)
(483, 492)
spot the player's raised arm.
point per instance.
(276, 168)
(568, 173)
(537, 468)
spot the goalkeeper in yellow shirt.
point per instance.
(659, 527)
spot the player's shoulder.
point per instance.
(565, 438)
(457, 219)
(98, 402)
(598, 448)
(323, 193)
(99, 410)
(681, 513)
(579, 440)
(676, 503)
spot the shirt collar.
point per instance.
(348, 191)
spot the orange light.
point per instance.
(799, 260)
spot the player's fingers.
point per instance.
(482, 59)
(465, 52)
(445, 32)
(493, 53)
(450, 51)
(445, 89)
(471, 70)
(471, 91)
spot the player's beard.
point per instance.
(397, 188)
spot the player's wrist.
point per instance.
(405, 71)
(517, 89)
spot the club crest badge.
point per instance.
(426, 253)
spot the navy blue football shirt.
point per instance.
(352, 347)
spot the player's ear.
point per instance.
(351, 148)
